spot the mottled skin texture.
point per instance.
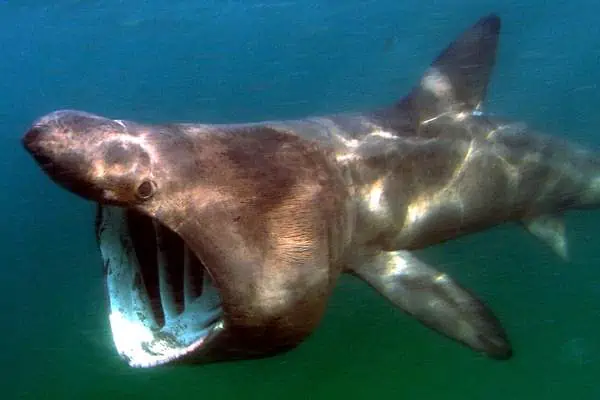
(276, 211)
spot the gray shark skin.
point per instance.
(224, 242)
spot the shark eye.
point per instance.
(146, 189)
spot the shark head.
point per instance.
(163, 301)
(201, 259)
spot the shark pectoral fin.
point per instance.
(457, 80)
(550, 229)
(437, 301)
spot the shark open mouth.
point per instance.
(163, 303)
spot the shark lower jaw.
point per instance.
(164, 306)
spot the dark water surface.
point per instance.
(225, 61)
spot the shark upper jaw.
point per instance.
(163, 304)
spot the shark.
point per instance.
(224, 242)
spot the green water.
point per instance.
(216, 61)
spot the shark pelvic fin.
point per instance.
(436, 300)
(550, 229)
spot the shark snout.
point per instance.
(32, 138)
(54, 148)
(38, 143)
(58, 135)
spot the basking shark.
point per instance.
(224, 242)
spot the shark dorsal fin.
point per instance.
(457, 80)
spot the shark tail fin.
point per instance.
(457, 80)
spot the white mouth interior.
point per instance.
(163, 304)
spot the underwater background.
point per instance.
(248, 60)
